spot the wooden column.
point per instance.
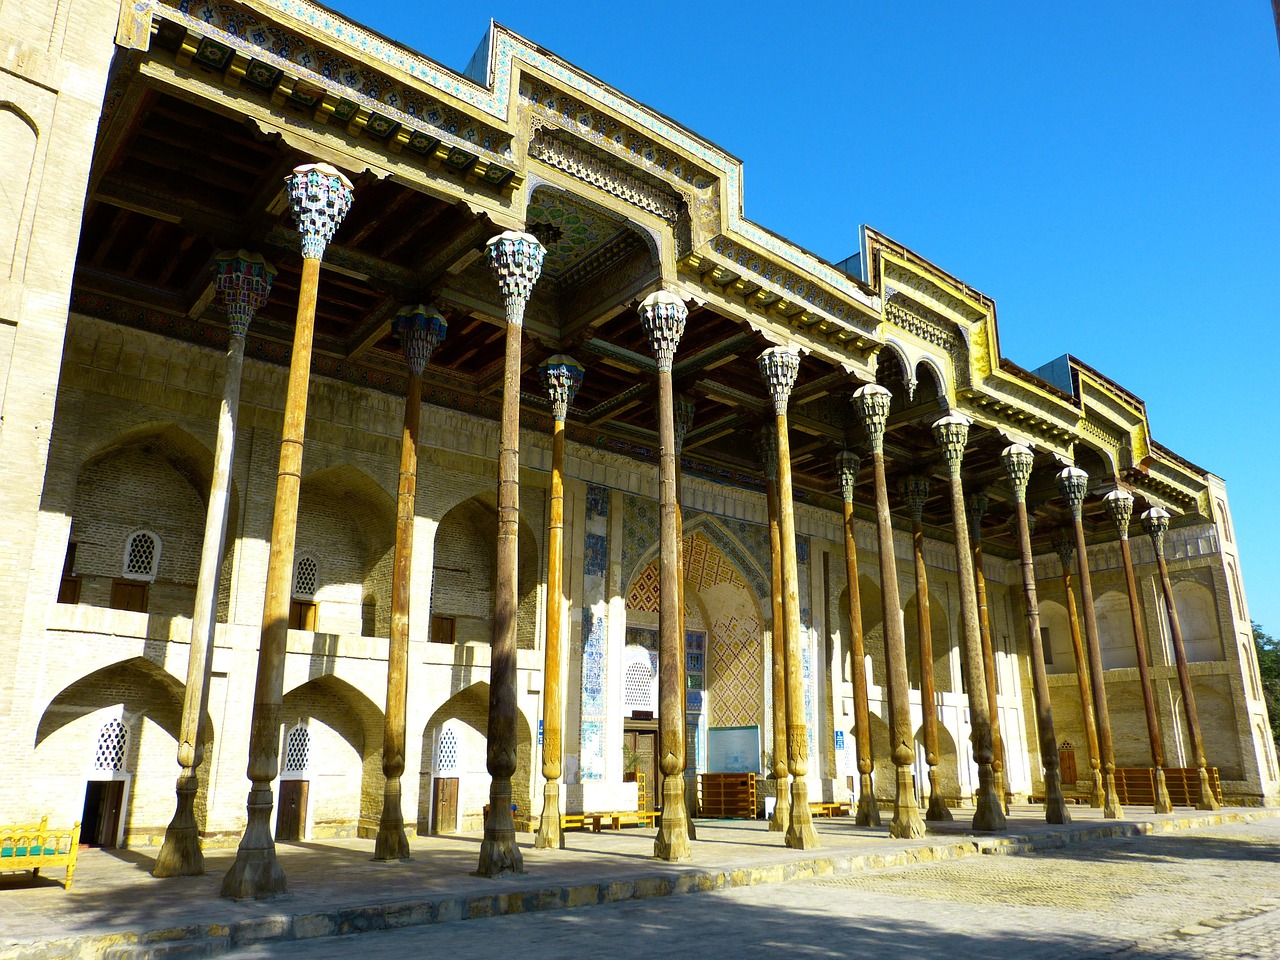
(663, 315)
(516, 261)
(682, 420)
(978, 503)
(847, 464)
(1074, 484)
(1119, 504)
(1018, 461)
(1156, 522)
(951, 433)
(320, 197)
(872, 405)
(767, 445)
(420, 330)
(561, 376)
(1065, 546)
(779, 367)
(243, 283)
(915, 490)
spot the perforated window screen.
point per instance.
(637, 687)
(297, 750)
(141, 556)
(447, 754)
(113, 739)
(305, 577)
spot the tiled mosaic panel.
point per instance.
(639, 532)
(595, 633)
(736, 668)
(704, 566)
(642, 637)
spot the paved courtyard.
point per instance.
(1210, 893)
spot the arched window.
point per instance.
(297, 752)
(447, 754)
(113, 741)
(638, 684)
(142, 556)
(306, 581)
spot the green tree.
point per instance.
(1269, 671)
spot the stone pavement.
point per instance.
(116, 909)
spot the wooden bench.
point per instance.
(826, 809)
(34, 846)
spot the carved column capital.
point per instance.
(779, 367)
(1074, 484)
(562, 376)
(319, 197)
(420, 329)
(684, 411)
(243, 283)
(915, 490)
(951, 433)
(767, 448)
(848, 464)
(1063, 542)
(872, 405)
(516, 260)
(1156, 522)
(1119, 504)
(978, 504)
(663, 315)
(1018, 461)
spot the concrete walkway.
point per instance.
(116, 909)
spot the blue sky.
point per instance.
(1107, 172)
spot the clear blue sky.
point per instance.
(1108, 172)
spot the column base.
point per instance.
(256, 874)
(1164, 804)
(391, 843)
(938, 811)
(781, 805)
(988, 813)
(906, 823)
(180, 854)
(690, 805)
(1111, 808)
(499, 853)
(672, 841)
(997, 785)
(1055, 804)
(1097, 793)
(800, 832)
(550, 836)
(868, 808)
(1207, 800)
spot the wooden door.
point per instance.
(103, 803)
(644, 743)
(291, 818)
(1067, 765)
(444, 805)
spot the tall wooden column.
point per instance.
(663, 315)
(1065, 546)
(779, 367)
(682, 419)
(516, 261)
(320, 197)
(561, 376)
(915, 491)
(243, 283)
(1018, 461)
(1119, 504)
(1156, 522)
(978, 503)
(872, 405)
(767, 445)
(1074, 484)
(951, 433)
(420, 329)
(847, 464)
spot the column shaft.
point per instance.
(1085, 685)
(778, 636)
(989, 675)
(868, 810)
(1162, 802)
(549, 834)
(937, 810)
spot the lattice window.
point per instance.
(297, 750)
(305, 577)
(113, 739)
(447, 754)
(142, 556)
(637, 687)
